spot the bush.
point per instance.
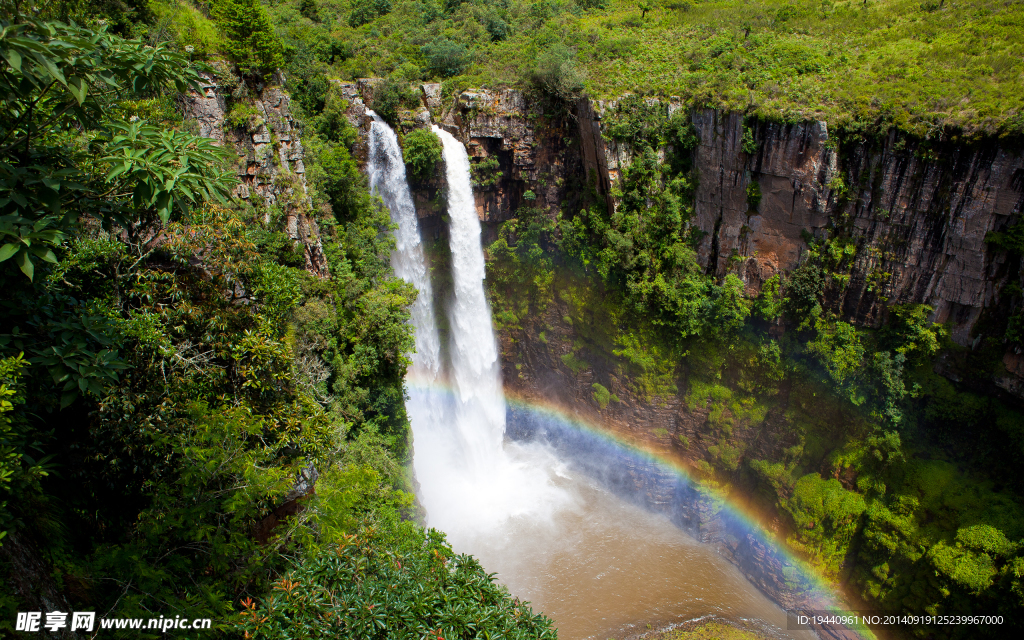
(310, 9)
(446, 58)
(827, 517)
(421, 150)
(391, 581)
(366, 11)
(388, 97)
(251, 41)
(838, 348)
(190, 28)
(602, 396)
(557, 72)
(753, 195)
(498, 28)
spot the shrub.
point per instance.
(251, 41)
(421, 150)
(826, 516)
(366, 11)
(748, 143)
(446, 58)
(557, 72)
(753, 195)
(243, 115)
(388, 97)
(498, 29)
(838, 348)
(190, 28)
(768, 305)
(576, 365)
(310, 9)
(394, 581)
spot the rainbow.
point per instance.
(803, 585)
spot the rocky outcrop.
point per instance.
(270, 167)
(521, 149)
(918, 213)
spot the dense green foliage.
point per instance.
(421, 150)
(928, 67)
(399, 583)
(249, 38)
(172, 378)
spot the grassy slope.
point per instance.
(919, 65)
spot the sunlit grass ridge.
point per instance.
(932, 67)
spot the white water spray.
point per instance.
(472, 483)
(387, 179)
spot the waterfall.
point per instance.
(473, 484)
(550, 534)
(387, 179)
(476, 372)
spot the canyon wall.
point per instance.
(918, 211)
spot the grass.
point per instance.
(926, 67)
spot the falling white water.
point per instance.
(472, 483)
(387, 179)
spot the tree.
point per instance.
(446, 58)
(421, 150)
(837, 347)
(557, 72)
(366, 11)
(310, 9)
(251, 41)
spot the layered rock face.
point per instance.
(918, 212)
(270, 165)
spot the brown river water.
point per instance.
(604, 568)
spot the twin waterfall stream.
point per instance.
(597, 565)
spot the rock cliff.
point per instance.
(270, 165)
(918, 211)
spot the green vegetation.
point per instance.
(249, 38)
(421, 150)
(575, 364)
(383, 585)
(602, 396)
(928, 68)
(173, 380)
(710, 631)
(520, 272)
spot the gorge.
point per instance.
(585, 318)
(563, 536)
